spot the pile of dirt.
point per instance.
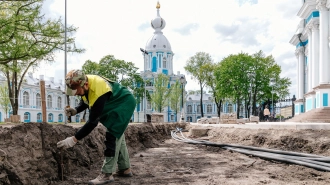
(305, 141)
(29, 155)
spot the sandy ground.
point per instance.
(30, 156)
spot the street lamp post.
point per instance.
(145, 52)
(251, 75)
(182, 80)
(272, 83)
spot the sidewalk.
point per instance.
(272, 125)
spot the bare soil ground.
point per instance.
(28, 155)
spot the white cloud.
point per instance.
(219, 28)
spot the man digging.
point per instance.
(110, 104)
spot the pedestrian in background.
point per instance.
(266, 113)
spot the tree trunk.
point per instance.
(219, 104)
(201, 102)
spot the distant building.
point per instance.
(29, 100)
(158, 58)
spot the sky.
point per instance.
(217, 27)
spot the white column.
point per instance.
(324, 44)
(315, 54)
(300, 72)
(310, 61)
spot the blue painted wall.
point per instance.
(312, 15)
(325, 99)
(154, 64)
(165, 71)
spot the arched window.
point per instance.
(26, 117)
(164, 62)
(209, 108)
(25, 99)
(50, 117)
(230, 108)
(198, 109)
(189, 109)
(39, 117)
(60, 117)
(49, 102)
(38, 101)
(59, 102)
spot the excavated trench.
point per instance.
(28, 155)
(28, 152)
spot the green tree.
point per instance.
(25, 34)
(161, 92)
(175, 97)
(90, 67)
(194, 67)
(232, 79)
(4, 99)
(246, 78)
(211, 83)
(120, 71)
(26, 40)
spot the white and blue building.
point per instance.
(158, 58)
(29, 100)
(311, 40)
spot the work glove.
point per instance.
(70, 111)
(66, 143)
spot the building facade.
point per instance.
(313, 56)
(29, 100)
(158, 59)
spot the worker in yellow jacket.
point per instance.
(110, 104)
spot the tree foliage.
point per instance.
(90, 67)
(211, 83)
(194, 67)
(246, 79)
(175, 97)
(117, 70)
(159, 96)
(25, 35)
(4, 99)
(26, 40)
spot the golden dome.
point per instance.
(158, 5)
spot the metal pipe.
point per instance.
(65, 64)
(309, 160)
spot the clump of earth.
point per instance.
(28, 155)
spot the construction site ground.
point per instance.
(28, 154)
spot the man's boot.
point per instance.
(125, 173)
(103, 178)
